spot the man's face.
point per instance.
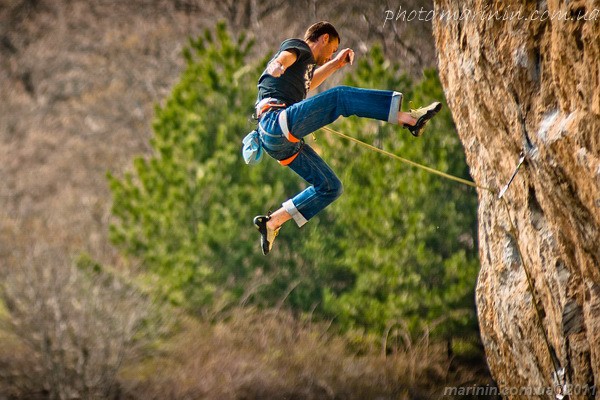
(327, 49)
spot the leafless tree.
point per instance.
(78, 325)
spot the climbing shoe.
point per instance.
(267, 235)
(422, 115)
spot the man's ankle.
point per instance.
(271, 224)
(405, 118)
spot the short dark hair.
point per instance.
(314, 32)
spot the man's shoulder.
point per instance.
(293, 43)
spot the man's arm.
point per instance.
(343, 58)
(277, 67)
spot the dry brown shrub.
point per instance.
(69, 329)
(271, 354)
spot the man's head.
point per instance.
(323, 40)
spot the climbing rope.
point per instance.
(558, 370)
(409, 162)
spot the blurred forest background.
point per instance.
(130, 268)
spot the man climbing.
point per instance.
(285, 117)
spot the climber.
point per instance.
(285, 117)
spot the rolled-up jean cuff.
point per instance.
(293, 211)
(395, 107)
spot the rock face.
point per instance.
(526, 75)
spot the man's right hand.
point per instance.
(277, 67)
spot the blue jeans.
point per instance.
(282, 133)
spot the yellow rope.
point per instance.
(409, 162)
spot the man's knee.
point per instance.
(336, 189)
(331, 189)
(342, 95)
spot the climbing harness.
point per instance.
(558, 375)
(252, 149)
(283, 124)
(265, 105)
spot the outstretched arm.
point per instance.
(278, 66)
(343, 58)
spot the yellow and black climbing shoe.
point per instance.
(267, 235)
(422, 115)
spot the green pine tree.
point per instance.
(397, 246)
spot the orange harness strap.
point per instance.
(289, 160)
(268, 107)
